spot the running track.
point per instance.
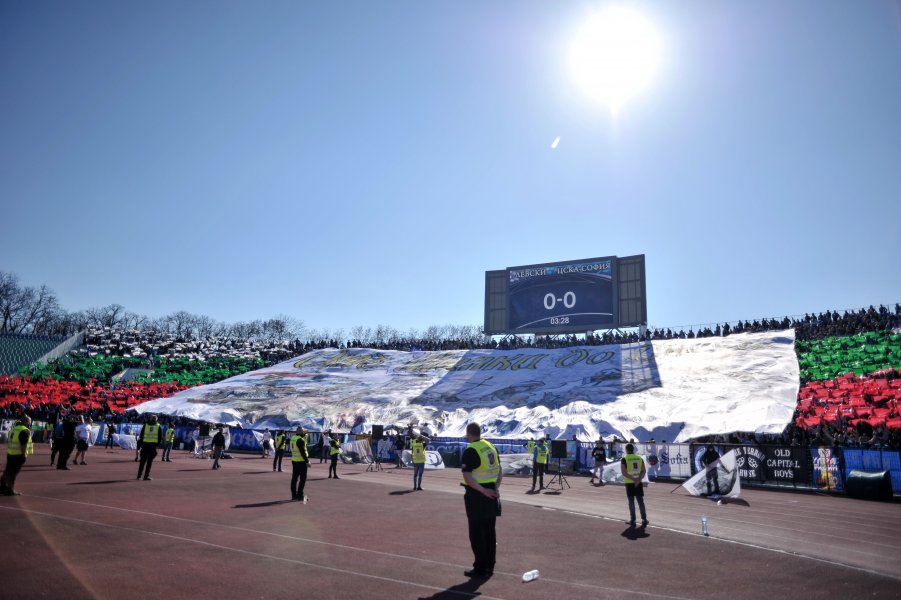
(95, 532)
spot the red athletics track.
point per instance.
(95, 532)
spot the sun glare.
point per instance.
(615, 56)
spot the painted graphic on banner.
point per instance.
(787, 465)
(666, 460)
(666, 389)
(827, 473)
(751, 464)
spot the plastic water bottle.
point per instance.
(704, 525)
(530, 576)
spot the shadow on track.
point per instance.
(635, 533)
(100, 482)
(262, 504)
(467, 589)
(400, 492)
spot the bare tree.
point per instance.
(205, 326)
(24, 308)
(111, 315)
(132, 320)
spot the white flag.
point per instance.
(719, 478)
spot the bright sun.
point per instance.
(615, 55)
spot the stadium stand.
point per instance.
(20, 350)
(850, 368)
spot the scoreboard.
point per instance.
(564, 297)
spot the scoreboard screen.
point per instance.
(562, 297)
(574, 296)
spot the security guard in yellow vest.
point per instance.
(633, 470)
(280, 439)
(539, 463)
(150, 437)
(167, 446)
(418, 450)
(18, 447)
(299, 461)
(482, 477)
(334, 449)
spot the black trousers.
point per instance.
(538, 470)
(13, 466)
(333, 466)
(298, 478)
(481, 514)
(55, 448)
(277, 461)
(148, 453)
(65, 451)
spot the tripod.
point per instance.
(558, 477)
(376, 464)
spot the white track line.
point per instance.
(249, 552)
(740, 543)
(333, 545)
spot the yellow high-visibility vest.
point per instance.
(541, 456)
(633, 467)
(151, 434)
(13, 447)
(418, 449)
(296, 454)
(489, 468)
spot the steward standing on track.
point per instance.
(280, 439)
(418, 450)
(149, 438)
(334, 449)
(18, 447)
(482, 479)
(539, 464)
(599, 454)
(633, 470)
(169, 441)
(299, 461)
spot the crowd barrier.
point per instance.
(818, 468)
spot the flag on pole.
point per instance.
(718, 479)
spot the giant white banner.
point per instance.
(671, 390)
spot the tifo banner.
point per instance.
(671, 389)
(719, 478)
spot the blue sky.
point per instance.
(364, 163)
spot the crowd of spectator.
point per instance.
(151, 345)
(157, 350)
